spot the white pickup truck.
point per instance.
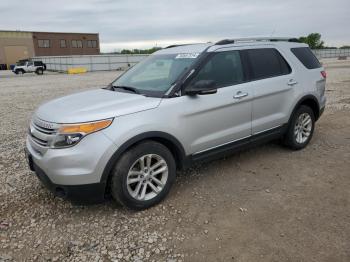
(28, 66)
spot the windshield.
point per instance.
(156, 74)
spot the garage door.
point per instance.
(15, 53)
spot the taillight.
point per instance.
(324, 74)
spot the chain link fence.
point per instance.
(122, 62)
(331, 53)
(90, 62)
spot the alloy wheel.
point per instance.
(147, 177)
(302, 128)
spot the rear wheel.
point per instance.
(19, 72)
(301, 128)
(143, 176)
(39, 71)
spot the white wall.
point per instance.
(121, 62)
(90, 62)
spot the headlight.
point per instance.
(71, 134)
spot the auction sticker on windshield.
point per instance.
(187, 55)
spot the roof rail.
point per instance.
(170, 46)
(253, 39)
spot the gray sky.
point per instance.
(143, 24)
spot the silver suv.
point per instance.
(181, 105)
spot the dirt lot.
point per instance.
(265, 204)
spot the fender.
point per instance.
(170, 141)
(315, 106)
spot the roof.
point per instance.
(20, 31)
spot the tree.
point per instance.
(313, 40)
(345, 47)
(140, 51)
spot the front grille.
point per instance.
(42, 132)
(38, 140)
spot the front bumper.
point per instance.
(74, 173)
(77, 194)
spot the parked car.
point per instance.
(181, 105)
(28, 66)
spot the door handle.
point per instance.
(240, 95)
(292, 82)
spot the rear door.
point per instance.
(273, 83)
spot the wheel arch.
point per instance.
(166, 139)
(310, 101)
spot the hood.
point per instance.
(94, 105)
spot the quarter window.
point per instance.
(43, 43)
(266, 63)
(225, 68)
(306, 57)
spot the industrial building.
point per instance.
(16, 45)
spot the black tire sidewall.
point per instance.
(290, 138)
(119, 176)
(39, 71)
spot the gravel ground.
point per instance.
(264, 204)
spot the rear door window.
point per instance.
(225, 68)
(266, 63)
(306, 57)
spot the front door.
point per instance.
(30, 67)
(216, 119)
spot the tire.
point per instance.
(19, 72)
(300, 129)
(128, 181)
(39, 71)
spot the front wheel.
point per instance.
(301, 128)
(143, 176)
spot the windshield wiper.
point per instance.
(128, 88)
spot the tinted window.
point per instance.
(306, 57)
(63, 43)
(267, 62)
(45, 43)
(92, 43)
(224, 68)
(77, 44)
(157, 73)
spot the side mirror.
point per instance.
(202, 87)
